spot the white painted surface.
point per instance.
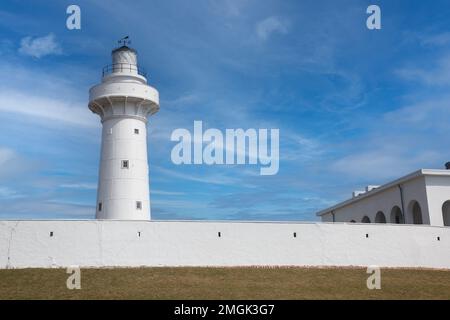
(123, 101)
(124, 55)
(97, 243)
(429, 188)
(438, 191)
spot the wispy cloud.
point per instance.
(437, 74)
(166, 193)
(182, 101)
(46, 107)
(218, 179)
(267, 27)
(12, 164)
(431, 114)
(381, 164)
(45, 209)
(298, 147)
(7, 193)
(439, 39)
(40, 46)
(5, 155)
(84, 186)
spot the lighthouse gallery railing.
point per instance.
(123, 67)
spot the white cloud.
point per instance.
(8, 193)
(54, 98)
(297, 147)
(439, 75)
(179, 204)
(54, 110)
(5, 155)
(11, 164)
(28, 208)
(440, 39)
(183, 101)
(268, 26)
(217, 179)
(229, 8)
(431, 114)
(377, 164)
(166, 193)
(85, 186)
(40, 46)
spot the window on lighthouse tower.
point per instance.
(125, 164)
(138, 205)
(136, 131)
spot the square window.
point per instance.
(136, 131)
(99, 206)
(139, 205)
(125, 164)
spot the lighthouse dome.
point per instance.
(125, 55)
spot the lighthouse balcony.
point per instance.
(123, 90)
(123, 68)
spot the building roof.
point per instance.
(411, 176)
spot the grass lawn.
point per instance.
(224, 283)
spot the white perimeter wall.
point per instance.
(162, 243)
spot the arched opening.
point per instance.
(396, 215)
(366, 219)
(415, 212)
(446, 213)
(380, 217)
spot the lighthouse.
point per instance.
(124, 101)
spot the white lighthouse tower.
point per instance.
(123, 100)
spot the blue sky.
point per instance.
(354, 106)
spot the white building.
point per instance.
(123, 101)
(422, 197)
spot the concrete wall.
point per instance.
(92, 243)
